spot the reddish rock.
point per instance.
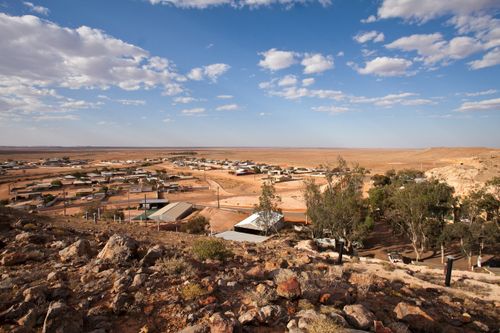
(415, 317)
(289, 288)
(325, 298)
(380, 328)
(221, 324)
(15, 258)
(256, 272)
(208, 300)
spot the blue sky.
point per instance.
(357, 73)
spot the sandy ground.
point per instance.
(463, 168)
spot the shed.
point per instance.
(172, 212)
(254, 224)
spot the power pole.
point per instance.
(128, 203)
(64, 201)
(218, 199)
(145, 211)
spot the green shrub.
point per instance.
(196, 225)
(174, 266)
(210, 249)
(192, 291)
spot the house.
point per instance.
(172, 212)
(153, 203)
(254, 224)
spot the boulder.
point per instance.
(289, 288)
(359, 316)
(139, 280)
(29, 237)
(287, 284)
(35, 294)
(219, 323)
(256, 272)
(153, 254)
(118, 249)
(414, 316)
(78, 250)
(14, 258)
(61, 318)
(306, 245)
(249, 317)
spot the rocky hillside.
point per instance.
(69, 276)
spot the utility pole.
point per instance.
(145, 211)
(218, 199)
(128, 203)
(64, 201)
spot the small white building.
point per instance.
(255, 223)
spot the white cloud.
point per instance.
(167, 120)
(433, 48)
(384, 66)
(224, 96)
(55, 117)
(308, 81)
(316, 63)
(288, 80)
(37, 9)
(40, 53)
(228, 107)
(332, 109)
(491, 58)
(340, 54)
(211, 72)
(489, 104)
(131, 102)
(369, 19)
(184, 99)
(367, 36)
(202, 4)
(405, 99)
(194, 111)
(424, 10)
(481, 93)
(275, 59)
(72, 104)
(468, 17)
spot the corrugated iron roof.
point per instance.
(241, 237)
(172, 211)
(254, 221)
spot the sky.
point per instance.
(270, 73)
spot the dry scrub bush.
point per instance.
(363, 283)
(210, 249)
(388, 267)
(174, 266)
(324, 325)
(192, 291)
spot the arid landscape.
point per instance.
(63, 236)
(249, 166)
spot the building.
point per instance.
(153, 203)
(254, 224)
(172, 212)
